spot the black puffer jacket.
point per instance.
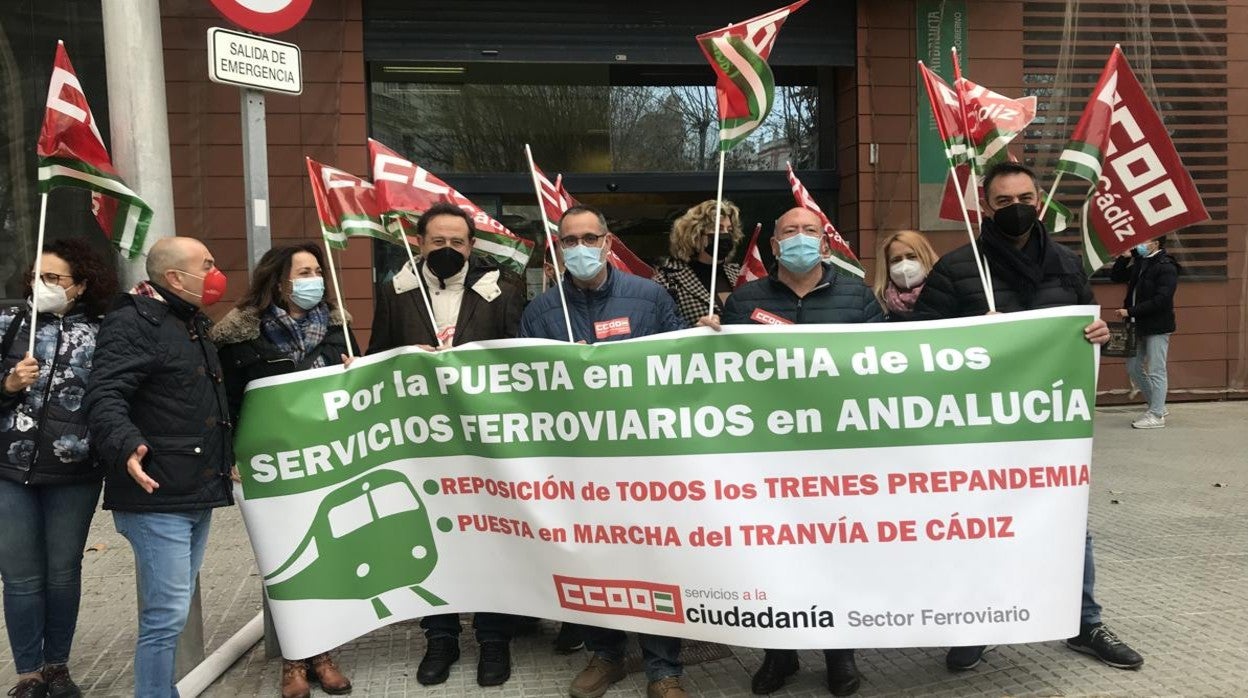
(953, 288)
(43, 429)
(158, 381)
(246, 355)
(837, 299)
(1151, 282)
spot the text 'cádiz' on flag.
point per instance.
(744, 84)
(72, 154)
(843, 257)
(1138, 188)
(346, 206)
(405, 190)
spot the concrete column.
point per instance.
(138, 115)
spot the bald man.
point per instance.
(160, 426)
(803, 289)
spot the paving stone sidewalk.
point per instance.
(1172, 574)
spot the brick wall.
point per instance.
(327, 123)
(877, 102)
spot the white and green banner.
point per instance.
(814, 486)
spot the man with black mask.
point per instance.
(1028, 271)
(470, 303)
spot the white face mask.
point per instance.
(50, 298)
(907, 273)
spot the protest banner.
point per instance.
(796, 486)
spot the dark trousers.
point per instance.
(490, 627)
(42, 533)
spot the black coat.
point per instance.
(157, 381)
(490, 309)
(1151, 282)
(43, 429)
(953, 288)
(246, 355)
(837, 299)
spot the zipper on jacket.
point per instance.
(47, 395)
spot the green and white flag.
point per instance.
(712, 486)
(744, 85)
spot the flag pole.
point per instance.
(34, 296)
(1052, 190)
(719, 202)
(984, 277)
(333, 275)
(554, 259)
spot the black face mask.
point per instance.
(444, 262)
(725, 246)
(1016, 220)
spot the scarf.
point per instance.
(296, 338)
(901, 301)
(1017, 268)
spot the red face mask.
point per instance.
(214, 286)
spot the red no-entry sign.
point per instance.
(264, 16)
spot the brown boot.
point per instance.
(666, 688)
(596, 678)
(326, 673)
(295, 680)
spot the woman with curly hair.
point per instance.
(282, 324)
(687, 273)
(49, 482)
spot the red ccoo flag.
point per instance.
(842, 256)
(752, 267)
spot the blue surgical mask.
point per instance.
(307, 292)
(800, 253)
(582, 262)
(1142, 249)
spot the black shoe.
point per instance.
(778, 665)
(493, 663)
(60, 685)
(1100, 642)
(571, 638)
(29, 688)
(843, 676)
(441, 653)
(964, 658)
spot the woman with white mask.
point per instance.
(902, 263)
(49, 479)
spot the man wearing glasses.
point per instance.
(803, 289)
(606, 305)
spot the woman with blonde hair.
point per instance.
(687, 273)
(902, 263)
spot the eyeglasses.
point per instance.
(567, 242)
(50, 278)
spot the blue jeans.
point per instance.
(1148, 370)
(1091, 611)
(42, 532)
(660, 654)
(168, 550)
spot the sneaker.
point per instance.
(571, 638)
(596, 678)
(666, 688)
(494, 663)
(440, 654)
(60, 685)
(1149, 421)
(964, 658)
(29, 688)
(1100, 642)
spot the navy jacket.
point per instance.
(626, 306)
(837, 299)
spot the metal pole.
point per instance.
(255, 176)
(138, 115)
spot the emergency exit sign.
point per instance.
(246, 60)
